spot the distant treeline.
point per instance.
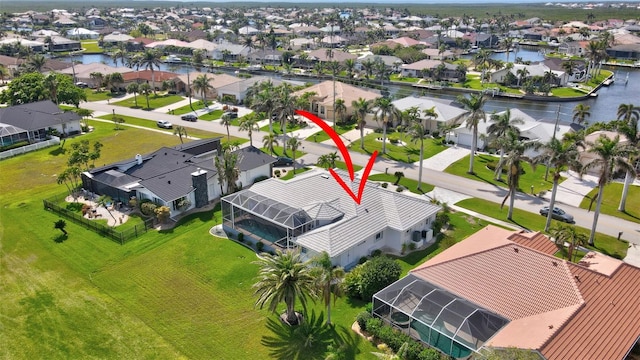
(477, 10)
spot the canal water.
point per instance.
(625, 90)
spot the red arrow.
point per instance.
(345, 155)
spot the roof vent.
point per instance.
(168, 181)
(165, 154)
(324, 176)
(555, 263)
(550, 326)
(516, 250)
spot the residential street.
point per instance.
(607, 224)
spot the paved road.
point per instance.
(606, 224)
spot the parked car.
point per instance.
(283, 161)
(230, 115)
(81, 84)
(164, 124)
(189, 117)
(557, 214)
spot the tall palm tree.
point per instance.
(227, 168)
(630, 130)
(265, 101)
(284, 277)
(361, 108)
(293, 144)
(249, 123)
(480, 61)
(145, 89)
(340, 109)
(226, 121)
(611, 156)
(51, 83)
(418, 132)
(201, 84)
(181, 131)
(285, 107)
(134, 88)
(522, 75)
(349, 66)
(98, 78)
(567, 234)
(628, 112)
(269, 141)
(474, 104)
(36, 62)
(328, 279)
(501, 124)
(151, 60)
(385, 112)
(559, 155)
(506, 44)
(580, 113)
(516, 149)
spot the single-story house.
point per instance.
(154, 78)
(36, 46)
(182, 178)
(502, 289)
(537, 69)
(32, 121)
(83, 72)
(586, 156)
(325, 55)
(445, 112)
(286, 214)
(322, 101)
(301, 44)
(117, 37)
(230, 52)
(530, 129)
(391, 62)
(435, 54)
(82, 33)
(573, 48)
(61, 44)
(428, 69)
(624, 51)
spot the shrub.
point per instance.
(373, 325)
(376, 252)
(362, 319)
(362, 260)
(277, 173)
(14, 145)
(369, 307)
(259, 246)
(352, 282)
(447, 242)
(400, 188)
(429, 354)
(378, 130)
(385, 185)
(75, 206)
(163, 213)
(241, 237)
(435, 134)
(148, 208)
(378, 273)
(412, 246)
(260, 178)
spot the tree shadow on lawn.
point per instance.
(60, 238)
(58, 151)
(309, 340)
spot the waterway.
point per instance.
(603, 107)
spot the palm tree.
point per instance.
(581, 112)
(134, 88)
(106, 201)
(630, 130)
(480, 59)
(558, 155)
(340, 109)
(249, 123)
(226, 121)
(145, 89)
(628, 112)
(418, 132)
(385, 112)
(181, 131)
(567, 234)
(611, 156)
(201, 84)
(36, 63)
(269, 141)
(516, 149)
(293, 144)
(368, 66)
(501, 125)
(284, 277)
(328, 161)
(51, 83)
(150, 60)
(265, 101)
(474, 105)
(361, 108)
(349, 66)
(98, 78)
(328, 279)
(522, 75)
(506, 44)
(227, 168)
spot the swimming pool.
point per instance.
(264, 231)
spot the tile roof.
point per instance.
(324, 92)
(556, 307)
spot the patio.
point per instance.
(115, 214)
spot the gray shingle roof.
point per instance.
(251, 157)
(36, 115)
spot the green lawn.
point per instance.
(410, 184)
(91, 47)
(202, 134)
(173, 294)
(197, 105)
(461, 226)
(291, 173)
(278, 151)
(155, 101)
(212, 115)
(93, 95)
(611, 200)
(408, 153)
(482, 173)
(567, 92)
(276, 128)
(604, 243)
(321, 136)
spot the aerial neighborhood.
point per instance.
(199, 180)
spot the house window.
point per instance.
(379, 236)
(303, 249)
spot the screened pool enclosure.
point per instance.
(436, 317)
(264, 218)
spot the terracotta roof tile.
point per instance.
(536, 241)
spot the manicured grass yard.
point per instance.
(91, 47)
(408, 153)
(482, 173)
(321, 136)
(279, 151)
(94, 95)
(291, 173)
(611, 200)
(197, 105)
(180, 293)
(212, 115)
(155, 101)
(567, 92)
(276, 128)
(606, 244)
(410, 184)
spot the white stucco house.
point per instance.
(313, 213)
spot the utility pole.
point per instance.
(555, 129)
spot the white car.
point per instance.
(164, 124)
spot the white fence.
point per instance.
(25, 149)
